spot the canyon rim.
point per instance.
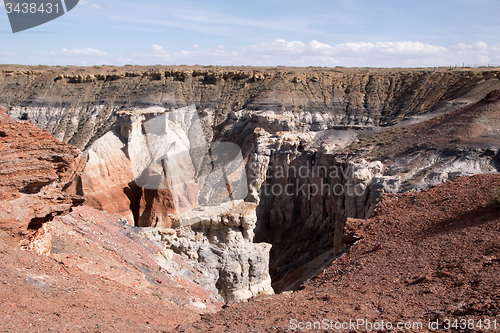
(230, 183)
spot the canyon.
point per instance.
(78, 105)
(269, 163)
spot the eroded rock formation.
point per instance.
(35, 168)
(302, 180)
(221, 245)
(156, 169)
(79, 105)
(312, 118)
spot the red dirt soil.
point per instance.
(99, 276)
(34, 168)
(84, 271)
(474, 126)
(424, 256)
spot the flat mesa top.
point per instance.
(118, 70)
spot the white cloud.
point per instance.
(76, 52)
(289, 53)
(315, 53)
(461, 47)
(354, 47)
(315, 45)
(480, 45)
(415, 48)
(381, 47)
(89, 5)
(279, 46)
(379, 54)
(155, 55)
(157, 48)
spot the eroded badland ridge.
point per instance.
(329, 156)
(78, 105)
(425, 258)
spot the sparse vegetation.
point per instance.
(495, 197)
(157, 293)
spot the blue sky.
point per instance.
(262, 32)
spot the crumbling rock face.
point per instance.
(124, 173)
(303, 121)
(221, 246)
(313, 182)
(280, 119)
(298, 186)
(155, 170)
(35, 168)
(79, 105)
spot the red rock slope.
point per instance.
(81, 271)
(96, 275)
(424, 257)
(34, 168)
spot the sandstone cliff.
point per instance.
(35, 168)
(221, 246)
(307, 184)
(282, 118)
(78, 105)
(55, 257)
(157, 170)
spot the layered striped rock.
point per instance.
(34, 170)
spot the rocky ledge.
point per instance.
(221, 245)
(35, 169)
